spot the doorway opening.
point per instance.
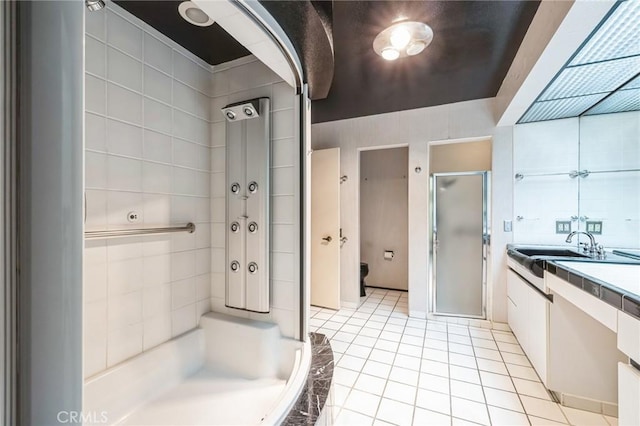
(384, 217)
(460, 230)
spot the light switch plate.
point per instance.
(563, 226)
(594, 227)
(507, 225)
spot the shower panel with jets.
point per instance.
(247, 204)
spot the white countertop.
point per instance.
(625, 277)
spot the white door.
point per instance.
(325, 228)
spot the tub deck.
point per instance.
(211, 398)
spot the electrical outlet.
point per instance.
(563, 226)
(594, 227)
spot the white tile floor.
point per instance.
(392, 369)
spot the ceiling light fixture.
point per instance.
(407, 38)
(193, 14)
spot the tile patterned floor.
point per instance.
(392, 369)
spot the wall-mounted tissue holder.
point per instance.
(247, 182)
(388, 255)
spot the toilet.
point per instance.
(364, 271)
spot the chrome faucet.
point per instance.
(593, 248)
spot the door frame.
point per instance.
(359, 174)
(486, 240)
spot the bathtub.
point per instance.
(228, 371)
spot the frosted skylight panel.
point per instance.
(560, 108)
(590, 79)
(618, 37)
(620, 101)
(633, 84)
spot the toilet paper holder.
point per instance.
(388, 254)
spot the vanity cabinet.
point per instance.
(527, 315)
(628, 376)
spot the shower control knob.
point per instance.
(235, 266)
(253, 227)
(253, 187)
(235, 227)
(235, 187)
(253, 267)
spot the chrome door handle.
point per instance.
(327, 239)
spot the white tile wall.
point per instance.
(596, 143)
(235, 82)
(147, 150)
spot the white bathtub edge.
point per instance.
(294, 387)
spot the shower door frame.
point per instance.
(486, 240)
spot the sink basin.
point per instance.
(559, 252)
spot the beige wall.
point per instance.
(460, 157)
(383, 216)
(418, 129)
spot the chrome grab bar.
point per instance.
(92, 235)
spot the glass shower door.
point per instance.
(459, 221)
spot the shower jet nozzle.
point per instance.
(94, 5)
(242, 110)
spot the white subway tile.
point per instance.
(283, 209)
(94, 357)
(157, 85)
(203, 235)
(191, 100)
(190, 73)
(156, 330)
(95, 24)
(218, 285)
(218, 210)
(185, 153)
(183, 241)
(96, 209)
(94, 56)
(190, 128)
(124, 343)
(124, 139)
(282, 266)
(157, 210)
(157, 116)
(203, 261)
(157, 147)
(203, 184)
(283, 294)
(95, 94)
(156, 178)
(157, 54)
(217, 104)
(124, 104)
(183, 265)
(282, 181)
(218, 157)
(218, 132)
(283, 96)
(124, 174)
(218, 235)
(183, 319)
(156, 270)
(124, 70)
(95, 132)
(202, 307)
(124, 310)
(218, 185)
(203, 287)
(124, 276)
(283, 238)
(218, 259)
(184, 181)
(182, 209)
(156, 245)
(283, 123)
(283, 152)
(124, 35)
(183, 293)
(95, 170)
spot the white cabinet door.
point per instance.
(537, 341)
(516, 313)
(628, 395)
(527, 312)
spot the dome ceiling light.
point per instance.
(407, 38)
(194, 15)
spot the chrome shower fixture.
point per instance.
(242, 110)
(94, 5)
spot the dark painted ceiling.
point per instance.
(473, 46)
(212, 44)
